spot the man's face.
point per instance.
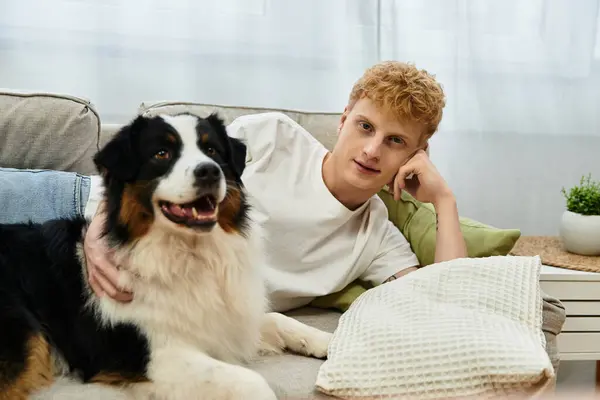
(373, 145)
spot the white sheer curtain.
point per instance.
(508, 65)
(279, 53)
(522, 77)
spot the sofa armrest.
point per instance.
(554, 316)
(47, 131)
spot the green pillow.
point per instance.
(416, 221)
(341, 300)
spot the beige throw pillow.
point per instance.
(457, 329)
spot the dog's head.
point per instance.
(182, 172)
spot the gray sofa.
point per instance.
(52, 131)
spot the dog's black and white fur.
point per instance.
(178, 220)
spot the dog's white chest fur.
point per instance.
(207, 293)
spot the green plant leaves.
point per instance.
(584, 199)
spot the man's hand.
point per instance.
(103, 274)
(426, 184)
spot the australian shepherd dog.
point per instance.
(178, 220)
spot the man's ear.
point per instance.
(117, 158)
(238, 156)
(343, 118)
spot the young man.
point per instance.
(324, 224)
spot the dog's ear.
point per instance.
(238, 155)
(117, 158)
(237, 148)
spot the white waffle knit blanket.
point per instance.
(458, 329)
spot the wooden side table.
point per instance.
(575, 281)
(580, 294)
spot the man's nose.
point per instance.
(372, 148)
(207, 173)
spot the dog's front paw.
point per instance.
(282, 332)
(317, 343)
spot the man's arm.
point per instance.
(427, 185)
(449, 241)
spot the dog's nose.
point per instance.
(207, 173)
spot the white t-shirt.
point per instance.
(314, 245)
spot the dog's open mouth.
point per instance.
(200, 212)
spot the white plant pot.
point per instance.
(580, 233)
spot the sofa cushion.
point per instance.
(323, 126)
(460, 329)
(47, 131)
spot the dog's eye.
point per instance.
(211, 151)
(162, 155)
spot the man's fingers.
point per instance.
(94, 284)
(106, 279)
(397, 189)
(109, 279)
(92, 278)
(123, 297)
(105, 284)
(111, 290)
(101, 286)
(400, 180)
(110, 273)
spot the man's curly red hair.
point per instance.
(412, 95)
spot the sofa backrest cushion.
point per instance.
(47, 131)
(323, 126)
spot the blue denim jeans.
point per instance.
(39, 195)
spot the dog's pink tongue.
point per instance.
(180, 211)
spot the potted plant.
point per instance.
(580, 223)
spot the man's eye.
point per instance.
(397, 140)
(365, 126)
